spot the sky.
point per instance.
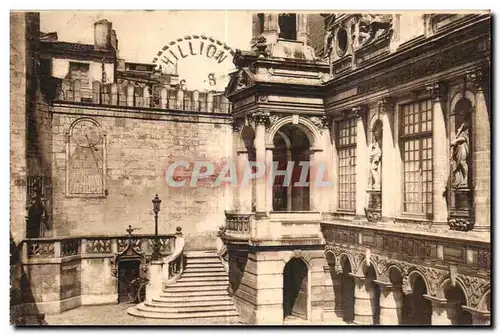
(141, 34)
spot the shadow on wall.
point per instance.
(237, 265)
(20, 292)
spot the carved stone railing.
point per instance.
(38, 249)
(173, 265)
(238, 224)
(159, 97)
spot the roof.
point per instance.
(76, 50)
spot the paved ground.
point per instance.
(117, 315)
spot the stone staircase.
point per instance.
(200, 293)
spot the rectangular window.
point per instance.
(416, 144)
(79, 71)
(346, 148)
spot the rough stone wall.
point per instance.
(138, 152)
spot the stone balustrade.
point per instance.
(158, 97)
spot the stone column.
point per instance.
(269, 182)
(271, 27)
(361, 161)
(391, 303)
(130, 95)
(210, 102)
(440, 167)
(146, 102)
(96, 92)
(261, 119)
(179, 101)
(443, 311)
(196, 100)
(386, 108)
(245, 190)
(314, 192)
(163, 98)
(302, 28)
(114, 94)
(478, 317)
(481, 163)
(362, 301)
(334, 169)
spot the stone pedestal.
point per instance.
(391, 303)
(154, 286)
(374, 210)
(363, 314)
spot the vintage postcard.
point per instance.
(250, 168)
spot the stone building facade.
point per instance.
(397, 111)
(391, 112)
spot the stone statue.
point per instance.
(329, 20)
(371, 26)
(375, 162)
(459, 157)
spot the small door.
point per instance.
(128, 270)
(295, 284)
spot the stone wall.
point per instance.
(139, 147)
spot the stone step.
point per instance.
(214, 274)
(217, 265)
(196, 283)
(194, 293)
(187, 309)
(192, 299)
(203, 261)
(201, 254)
(204, 279)
(194, 288)
(203, 269)
(231, 315)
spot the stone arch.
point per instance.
(385, 271)
(303, 124)
(344, 256)
(409, 281)
(296, 274)
(85, 118)
(373, 263)
(305, 256)
(446, 283)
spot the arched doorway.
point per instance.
(291, 144)
(416, 309)
(456, 295)
(347, 290)
(295, 289)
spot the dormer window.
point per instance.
(288, 26)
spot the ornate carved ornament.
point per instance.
(387, 105)
(131, 251)
(475, 288)
(461, 223)
(260, 118)
(360, 111)
(425, 67)
(478, 77)
(436, 90)
(320, 122)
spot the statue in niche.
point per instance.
(372, 26)
(329, 20)
(375, 159)
(460, 156)
(36, 216)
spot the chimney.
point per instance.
(102, 35)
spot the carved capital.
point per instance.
(436, 90)
(387, 105)
(321, 122)
(260, 118)
(359, 111)
(477, 77)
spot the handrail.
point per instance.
(173, 265)
(222, 251)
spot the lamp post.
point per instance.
(156, 245)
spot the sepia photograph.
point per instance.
(250, 168)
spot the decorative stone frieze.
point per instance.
(260, 118)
